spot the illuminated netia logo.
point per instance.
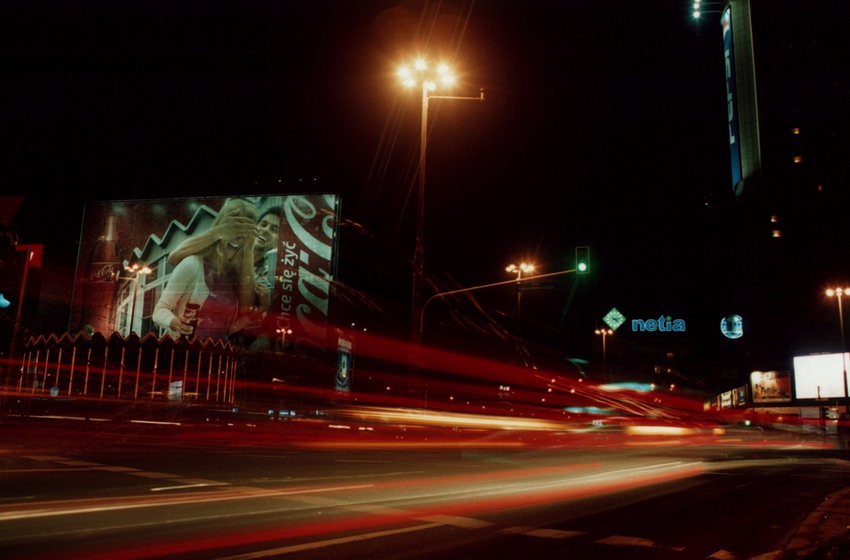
(662, 324)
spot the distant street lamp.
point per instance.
(136, 270)
(839, 293)
(700, 8)
(283, 332)
(429, 78)
(523, 267)
(605, 333)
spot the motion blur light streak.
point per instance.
(331, 542)
(423, 417)
(452, 496)
(95, 505)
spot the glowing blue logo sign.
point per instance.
(662, 324)
(732, 326)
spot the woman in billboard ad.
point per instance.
(291, 258)
(208, 290)
(264, 232)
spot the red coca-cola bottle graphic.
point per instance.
(101, 277)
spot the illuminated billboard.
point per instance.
(819, 376)
(731, 97)
(242, 268)
(770, 386)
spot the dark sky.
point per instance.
(603, 124)
(588, 103)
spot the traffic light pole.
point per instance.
(461, 290)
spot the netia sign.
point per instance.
(662, 324)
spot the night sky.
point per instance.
(603, 125)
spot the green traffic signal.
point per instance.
(582, 260)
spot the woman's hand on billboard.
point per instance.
(181, 325)
(237, 228)
(241, 230)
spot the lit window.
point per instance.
(774, 219)
(776, 233)
(797, 159)
(795, 130)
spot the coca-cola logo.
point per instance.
(304, 261)
(102, 273)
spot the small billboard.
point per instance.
(770, 386)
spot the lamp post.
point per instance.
(135, 269)
(522, 267)
(429, 79)
(283, 332)
(700, 8)
(605, 334)
(839, 293)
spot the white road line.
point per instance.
(543, 533)
(619, 540)
(722, 555)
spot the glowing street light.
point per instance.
(700, 8)
(605, 333)
(523, 267)
(840, 293)
(283, 332)
(136, 270)
(429, 79)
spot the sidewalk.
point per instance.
(825, 533)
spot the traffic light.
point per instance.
(582, 259)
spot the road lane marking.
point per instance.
(543, 533)
(619, 540)
(722, 555)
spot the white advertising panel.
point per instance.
(819, 376)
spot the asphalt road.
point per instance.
(74, 489)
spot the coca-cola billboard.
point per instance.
(142, 262)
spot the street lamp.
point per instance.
(421, 73)
(605, 333)
(135, 269)
(839, 293)
(700, 8)
(283, 332)
(523, 267)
